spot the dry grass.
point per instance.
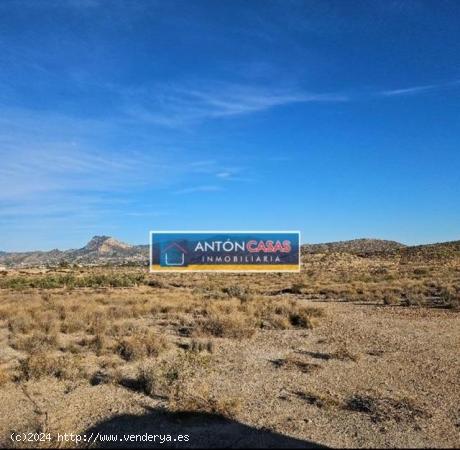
(166, 332)
(88, 326)
(142, 323)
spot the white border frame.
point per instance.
(151, 232)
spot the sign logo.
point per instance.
(228, 251)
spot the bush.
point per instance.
(390, 299)
(44, 364)
(147, 379)
(300, 319)
(450, 298)
(236, 325)
(201, 346)
(168, 377)
(20, 324)
(36, 342)
(140, 346)
(297, 288)
(240, 292)
(155, 284)
(286, 314)
(131, 348)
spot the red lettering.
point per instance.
(250, 246)
(268, 246)
(287, 246)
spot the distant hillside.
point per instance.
(99, 250)
(431, 252)
(362, 247)
(102, 250)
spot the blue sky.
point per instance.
(337, 118)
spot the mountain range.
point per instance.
(101, 250)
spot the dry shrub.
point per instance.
(142, 345)
(131, 348)
(450, 297)
(276, 322)
(301, 319)
(148, 378)
(297, 288)
(390, 298)
(5, 376)
(96, 343)
(155, 344)
(21, 323)
(98, 323)
(125, 328)
(44, 364)
(283, 314)
(115, 312)
(36, 342)
(168, 376)
(201, 399)
(45, 321)
(156, 284)
(242, 293)
(73, 323)
(232, 319)
(109, 362)
(236, 325)
(199, 346)
(188, 391)
(413, 299)
(45, 296)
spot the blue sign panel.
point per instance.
(230, 251)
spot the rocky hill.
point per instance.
(99, 250)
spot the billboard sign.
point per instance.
(228, 251)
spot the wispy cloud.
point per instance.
(183, 105)
(62, 168)
(180, 105)
(59, 171)
(196, 189)
(224, 175)
(44, 152)
(413, 90)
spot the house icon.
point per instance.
(174, 254)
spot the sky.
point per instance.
(340, 119)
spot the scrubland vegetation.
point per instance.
(163, 333)
(168, 337)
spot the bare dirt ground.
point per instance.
(306, 373)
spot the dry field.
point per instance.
(350, 352)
